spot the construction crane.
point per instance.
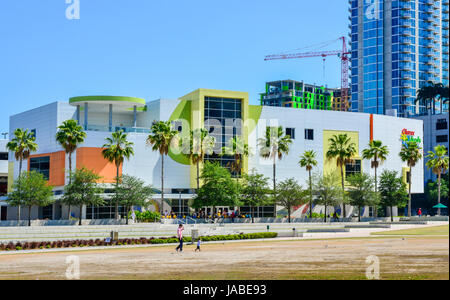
(342, 54)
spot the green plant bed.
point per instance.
(124, 242)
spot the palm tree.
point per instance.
(443, 95)
(160, 138)
(116, 150)
(200, 144)
(69, 136)
(308, 161)
(274, 145)
(342, 149)
(239, 150)
(438, 162)
(377, 153)
(411, 153)
(427, 94)
(22, 145)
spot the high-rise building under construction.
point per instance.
(397, 46)
(297, 94)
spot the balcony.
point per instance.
(109, 113)
(101, 128)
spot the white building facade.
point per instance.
(225, 114)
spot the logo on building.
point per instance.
(409, 136)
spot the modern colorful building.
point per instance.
(297, 94)
(3, 176)
(225, 114)
(397, 46)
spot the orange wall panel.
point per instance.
(57, 167)
(92, 159)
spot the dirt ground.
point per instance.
(400, 258)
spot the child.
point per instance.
(199, 242)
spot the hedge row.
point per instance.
(142, 241)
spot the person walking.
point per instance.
(180, 238)
(419, 212)
(199, 242)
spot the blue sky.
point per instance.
(159, 48)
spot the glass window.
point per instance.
(441, 138)
(440, 125)
(41, 165)
(353, 168)
(309, 134)
(3, 156)
(291, 132)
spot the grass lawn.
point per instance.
(437, 230)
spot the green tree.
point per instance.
(438, 162)
(255, 191)
(31, 189)
(427, 95)
(444, 96)
(361, 192)
(308, 161)
(432, 190)
(410, 153)
(290, 194)
(239, 150)
(377, 153)
(200, 144)
(23, 144)
(327, 191)
(132, 191)
(161, 138)
(274, 146)
(116, 150)
(218, 188)
(343, 150)
(69, 136)
(83, 190)
(393, 191)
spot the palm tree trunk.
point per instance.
(198, 176)
(310, 195)
(117, 187)
(29, 215)
(274, 185)
(409, 192)
(20, 173)
(375, 210)
(439, 193)
(128, 210)
(359, 213)
(253, 213)
(325, 213)
(343, 192)
(162, 184)
(274, 174)
(289, 214)
(70, 180)
(392, 215)
(81, 214)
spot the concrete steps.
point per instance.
(400, 223)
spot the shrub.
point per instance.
(87, 243)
